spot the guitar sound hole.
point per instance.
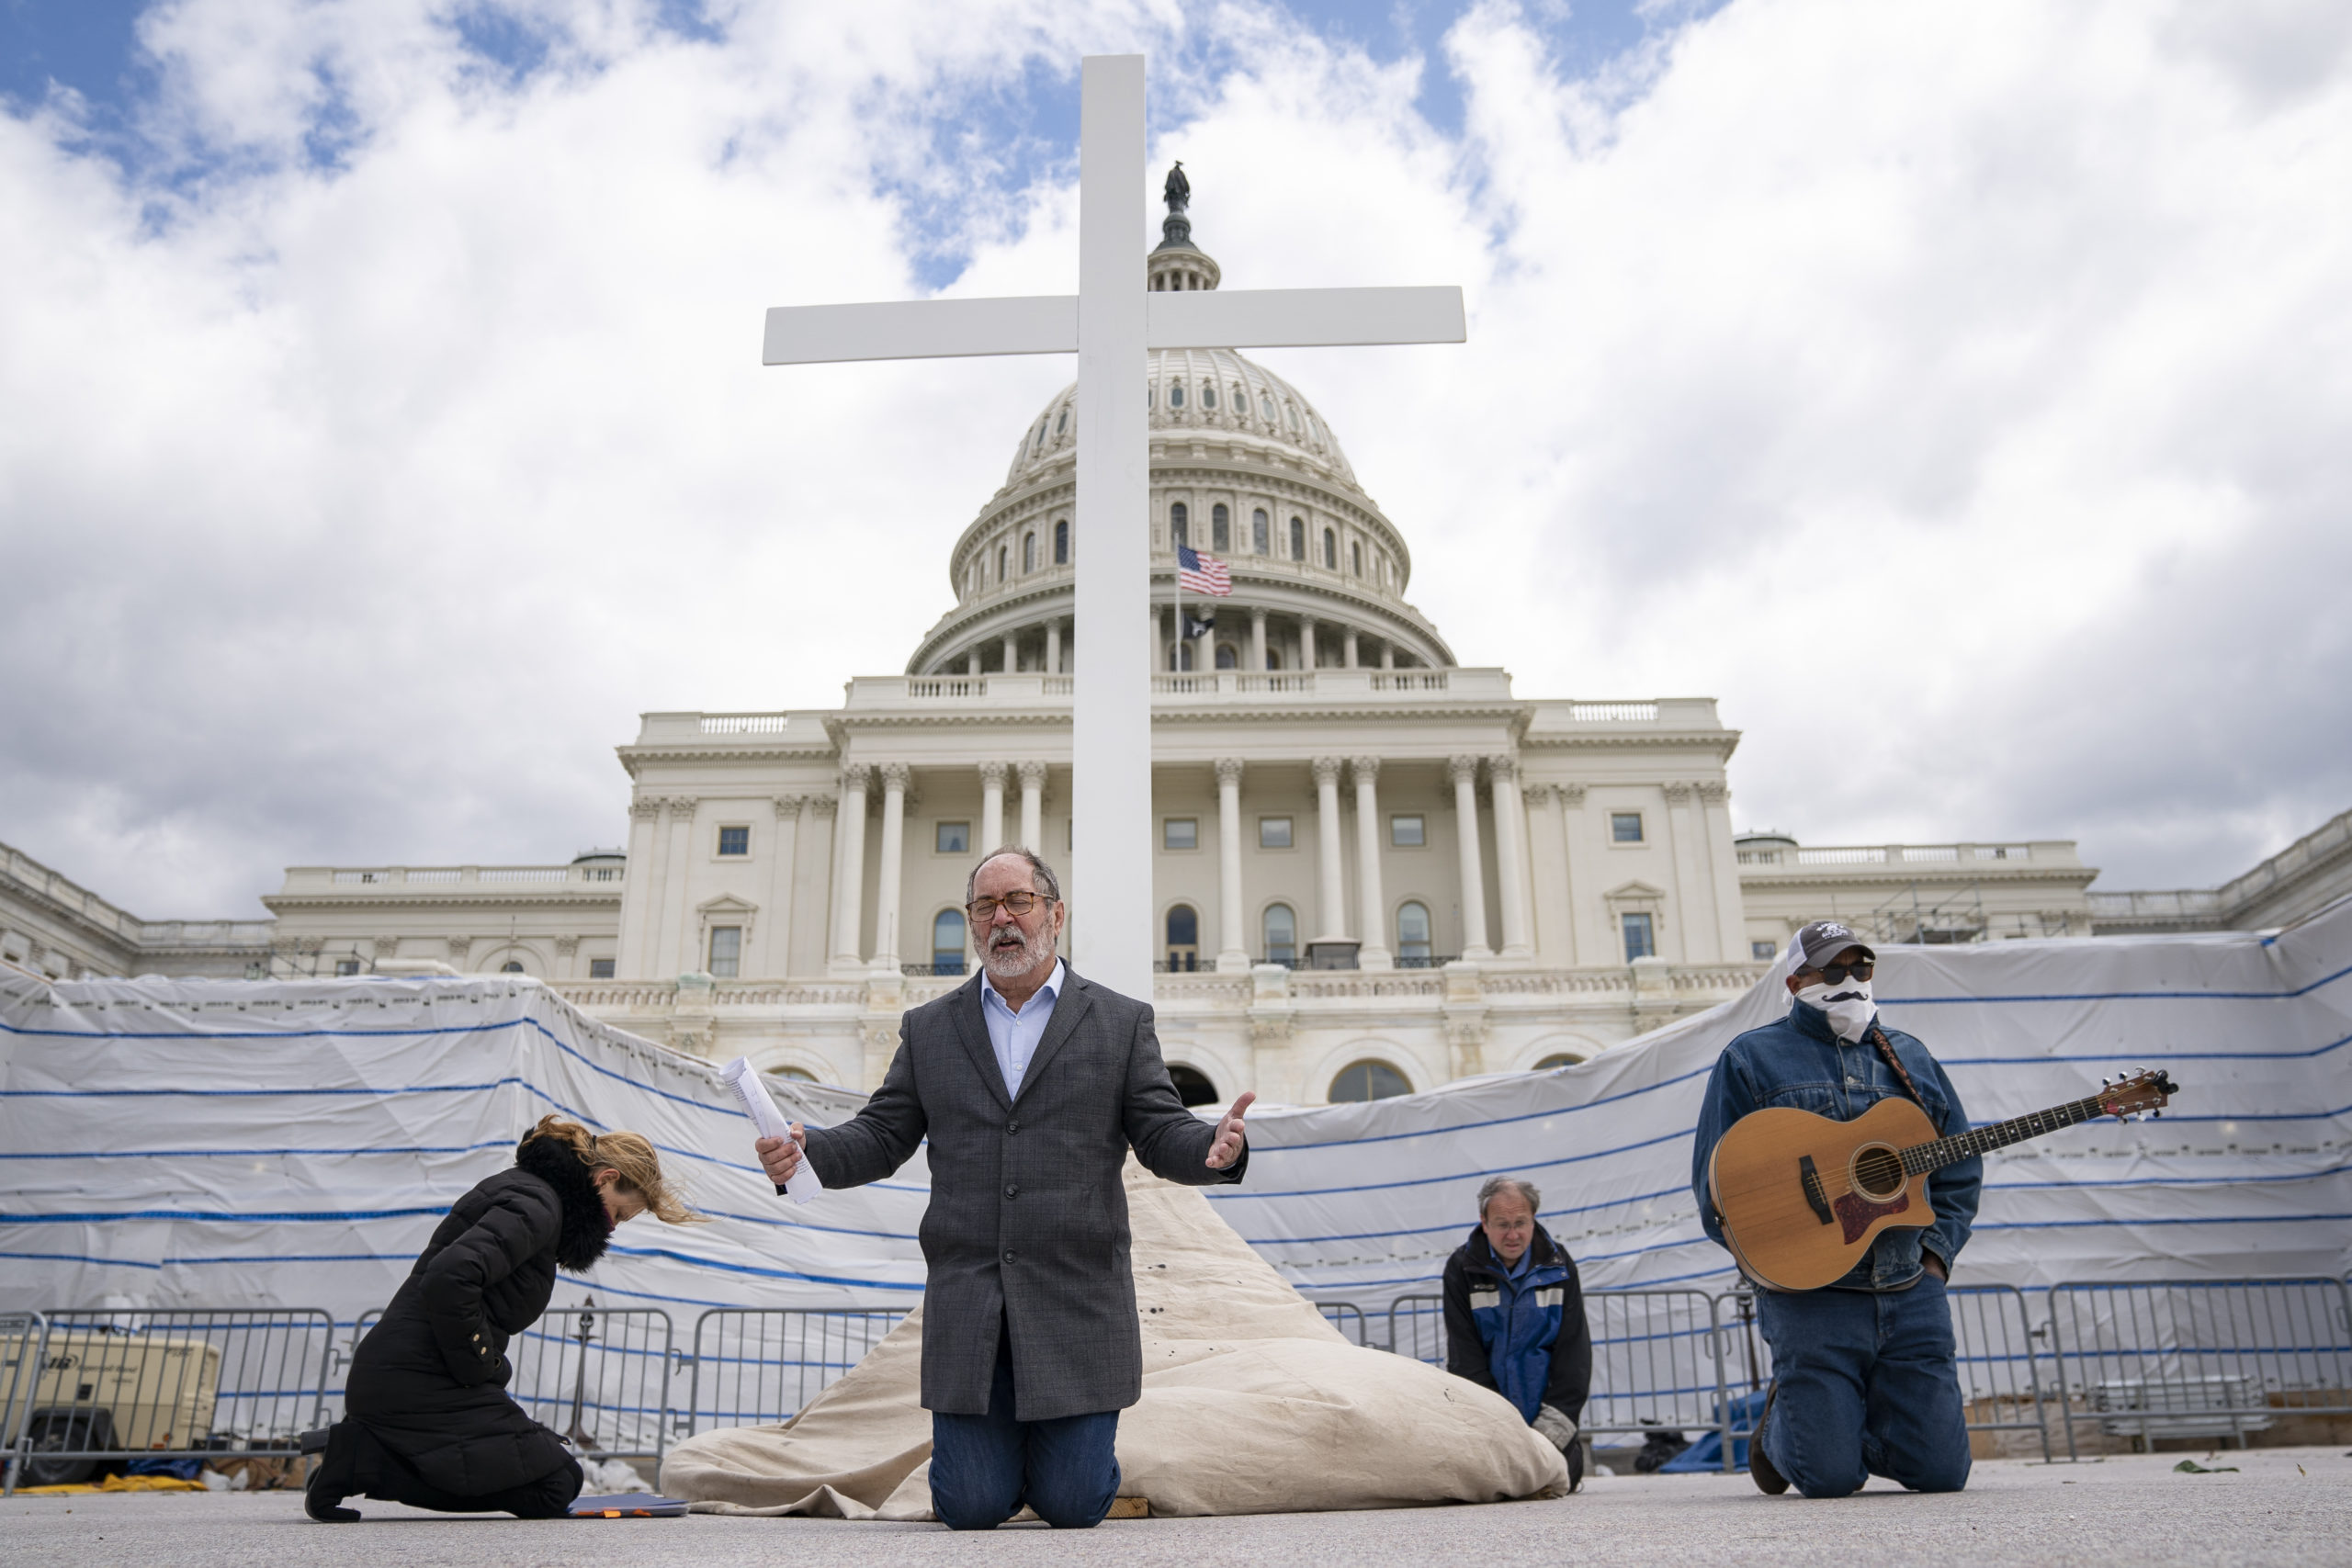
(1878, 1172)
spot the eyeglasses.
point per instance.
(1836, 973)
(983, 910)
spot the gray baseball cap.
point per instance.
(1822, 941)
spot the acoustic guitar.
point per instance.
(1802, 1197)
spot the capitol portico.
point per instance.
(1377, 869)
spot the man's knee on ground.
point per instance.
(1067, 1503)
(1946, 1474)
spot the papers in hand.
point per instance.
(759, 1106)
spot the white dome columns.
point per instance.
(1373, 952)
(1331, 904)
(1463, 771)
(1232, 956)
(993, 808)
(1033, 806)
(1510, 856)
(848, 869)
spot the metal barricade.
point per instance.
(2200, 1359)
(764, 1364)
(173, 1384)
(20, 1337)
(2000, 1376)
(1657, 1364)
(1417, 1328)
(599, 1376)
(1347, 1318)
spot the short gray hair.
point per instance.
(1495, 1186)
(1039, 871)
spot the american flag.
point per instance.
(1197, 573)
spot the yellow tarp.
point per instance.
(117, 1483)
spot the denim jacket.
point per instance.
(1800, 1061)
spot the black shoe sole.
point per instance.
(1760, 1469)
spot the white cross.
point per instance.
(1110, 325)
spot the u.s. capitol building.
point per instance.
(1378, 868)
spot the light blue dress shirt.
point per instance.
(1014, 1035)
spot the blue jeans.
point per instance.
(983, 1467)
(1864, 1384)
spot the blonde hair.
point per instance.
(628, 1155)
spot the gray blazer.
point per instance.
(1028, 1224)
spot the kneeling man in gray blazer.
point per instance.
(1032, 1083)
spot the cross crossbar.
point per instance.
(1047, 323)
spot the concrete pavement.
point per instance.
(2283, 1507)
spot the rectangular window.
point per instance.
(1273, 833)
(1763, 952)
(346, 966)
(1180, 833)
(734, 840)
(600, 969)
(727, 951)
(953, 838)
(1407, 832)
(1626, 827)
(1640, 939)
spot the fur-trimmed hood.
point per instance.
(586, 1227)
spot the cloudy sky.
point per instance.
(1962, 394)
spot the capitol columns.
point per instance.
(1331, 912)
(1307, 642)
(1372, 950)
(1257, 638)
(1233, 952)
(1053, 645)
(991, 807)
(640, 886)
(776, 961)
(1032, 807)
(1510, 856)
(677, 863)
(849, 868)
(1464, 771)
(895, 776)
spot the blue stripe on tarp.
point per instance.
(1229, 1195)
(1259, 1152)
(669, 1256)
(287, 1217)
(704, 1263)
(2131, 996)
(2142, 1053)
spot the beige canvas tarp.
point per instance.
(1252, 1404)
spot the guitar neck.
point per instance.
(1922, 1158)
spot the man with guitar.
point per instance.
(1865, 1379)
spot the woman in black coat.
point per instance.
(428, 1422)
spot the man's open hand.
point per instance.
(1229, 1137)
(780, 1157)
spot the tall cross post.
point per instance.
(1110, 325)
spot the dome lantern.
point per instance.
(1178, 264)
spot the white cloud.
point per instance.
(353, 514)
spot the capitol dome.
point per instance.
(1243, 468)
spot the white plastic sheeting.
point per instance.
(2250, 1173)
(294, 1143)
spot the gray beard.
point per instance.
(1011, 963)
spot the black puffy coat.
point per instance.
(429, 1381)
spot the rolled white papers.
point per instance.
(759, 1106)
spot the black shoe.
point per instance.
(1761, 1469)
(1576, 1465)
(322, 1502)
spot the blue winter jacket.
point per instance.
(1524, 1337)
(1800, 1062)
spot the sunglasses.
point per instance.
(983, 910)
(1836, 973)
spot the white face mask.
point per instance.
(1848, 1006)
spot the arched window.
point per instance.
(1413, 935)
(1557, 1059)
(1183, 940)
(1039, 445)
(1002, 559)
(1179, 526)
(1028, 553)
(947, 942)
(1175, 394)
(1258, 540)
(1290, 412)
(1360, 1081)
(1330, 550)
(796, 1074)
(1355, 558)
(1062, 424)
(972, 577)
(1266, 405)
(1192, 1086)
(512, 966)
(1208, 394)
(1220, 527)
(1282, 934)
(1274, 657)
(1240, 399)
(1297, 538)
(1228, 657)
(1061, 542)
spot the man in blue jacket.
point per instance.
(1863, 1376)
(1514, 1317)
